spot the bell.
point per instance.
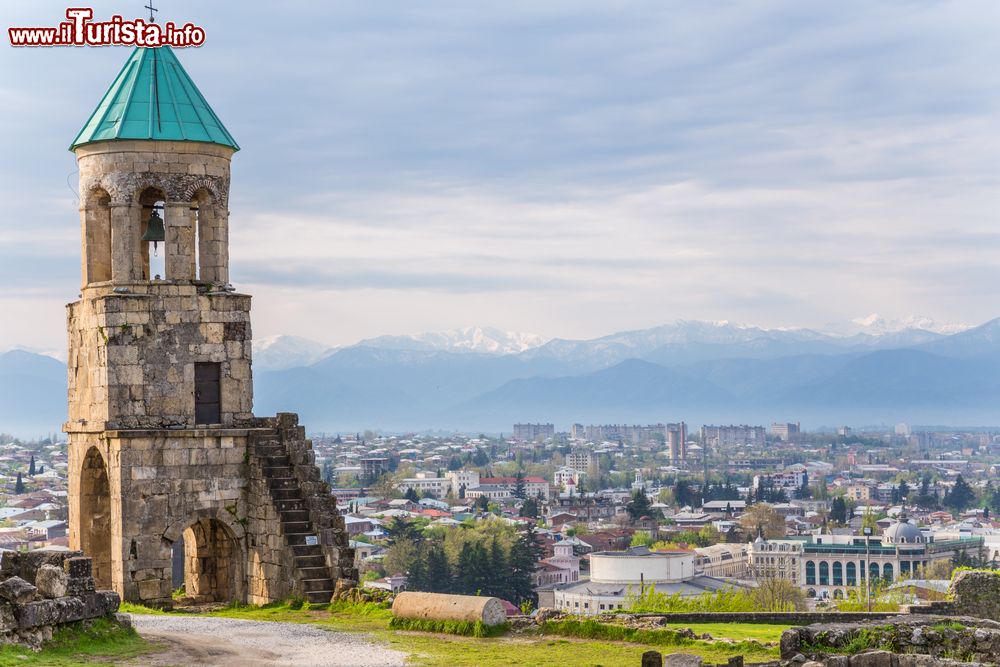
(154, 230)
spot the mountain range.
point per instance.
(875, 371)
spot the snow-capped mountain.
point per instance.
(877, 325)
(485, 340)
(278, 352)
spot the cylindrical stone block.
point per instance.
(441, 607)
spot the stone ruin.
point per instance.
(42, 590)
(915, 640)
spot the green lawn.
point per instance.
(737, 631)
(103, 643)
(514, 650)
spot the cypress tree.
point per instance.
(19, 485)
(31, 466)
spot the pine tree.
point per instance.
(416, 577)
(520, 490)
(438, 571)
(961, 495)
(19, 485)
(522, 569)
(639, 507)
(497, 573)
(412, 495)
(529, 508)
(31, 467)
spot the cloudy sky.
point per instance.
(563, 168)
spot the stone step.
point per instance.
(287, 494)
(324, 584)
(302, 549)
(283, 483)
(295, 539)
(278, 471)
(319, 597)
(296, 527)
(276, 461)
(291, 515)
(291, 505)
(319, 572)
(307, 562)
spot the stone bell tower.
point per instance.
(172, 479)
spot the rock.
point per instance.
(548, 614)
(790, 643)
(798, 658)
(652, 659)
(837, 661)
(52, 582)
(813, 663)
(874, 659)
(17, 590)
(681, 660)
(124, 620)
(916, 660)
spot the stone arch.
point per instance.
(838, 594)
(153, 195)
(211, 235)
(811, 592)
(95, 515)
(213, 558)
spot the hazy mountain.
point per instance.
(276, 352)
(484, 340)
(696, 371)
(32, 393)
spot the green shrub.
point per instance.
(463, 628)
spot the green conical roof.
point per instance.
(154, 98)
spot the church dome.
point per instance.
(902, 532)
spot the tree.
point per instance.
(520, 490)
(682, 494)
(763, 517)
(903, 490)
(19, 485)
(524, 557)
(641, 538)
(838, 510)
(776, 594)
(960, 496)
(399, 557)
(480, 458)
(639, 507)
(412, 495)
(31, 467)
(529, 508)
(438, 571)
(482, 504)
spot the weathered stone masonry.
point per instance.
(164, 449)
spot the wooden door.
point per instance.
(207, 394)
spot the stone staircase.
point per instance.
(311, 571)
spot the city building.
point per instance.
(616, 574)
(579, 460)
(785, 430)
(789, 481)
(533, 432)
(733, 436)
(722, 561)
(498, 488)
(827, 565)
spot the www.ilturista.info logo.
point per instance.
(79, 30)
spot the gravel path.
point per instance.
(230, 642)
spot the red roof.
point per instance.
(511, 480)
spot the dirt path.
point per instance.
(229, 642)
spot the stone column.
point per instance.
(180, 256)
(124, 242)
(208, 235)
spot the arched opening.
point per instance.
(97, 237)
(852, 574)
(151, 199)
(810, 573)
(887, 573)
(211, 238)
(873, 571)
(811, 592)
(824, 573)
(95, 516)
(210, 563)
(838, 574)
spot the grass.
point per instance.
(737, 631)
(99, 642)
(658, 637)
(462, 628)
(432, 649)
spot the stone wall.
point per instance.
(132, 356)
(940, 637)
(41, 590)
(774, 618)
